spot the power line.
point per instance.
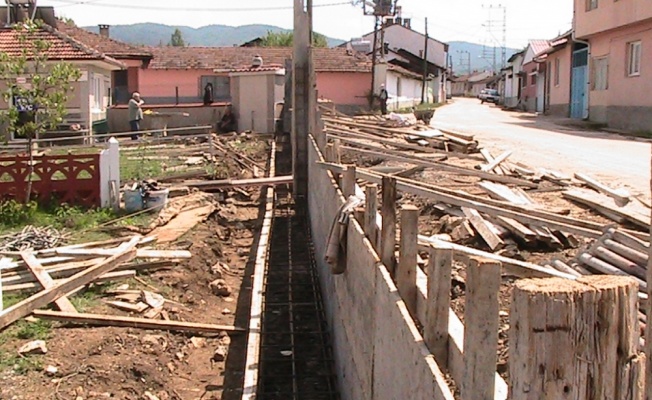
(90, 3)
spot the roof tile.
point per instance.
(106, 45)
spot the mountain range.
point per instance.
(152, 34)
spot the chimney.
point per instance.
(257, 62)
(104, 30)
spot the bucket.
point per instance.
(133, 200)
(156, 199)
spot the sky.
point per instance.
(448, 20)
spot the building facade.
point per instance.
(619, 35)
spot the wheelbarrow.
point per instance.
(424, 115)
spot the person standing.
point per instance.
(135, 114)
(383, 96)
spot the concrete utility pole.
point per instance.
(304, 97)
(425, 66)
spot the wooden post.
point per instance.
(371, 210)
(359, 213)
(328, 153)
(435, 331)
(406, 273)
(388, 233)
(481, 329)
(337, 151)
(575, 339)
(348, 181)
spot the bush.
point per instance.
(13, 213)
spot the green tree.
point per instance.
(36, 88)
(286, 39)
(176, 39)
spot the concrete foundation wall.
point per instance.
(560, 110)
(375, 340)
(198, 116)
(630, 118)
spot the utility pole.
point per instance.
(425, 66)
(466, 62)
(374, 62)
(492, 25)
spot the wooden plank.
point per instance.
(389, 155)
(496, 162)
(629, 240)
(122, 305)
(481, 329)
(637, 215)
(229, 183)
(621, 196)
(517, 229)
(138, 323)
(480, 225)
(46, 281)
(435, 326)
(140, 253)
(182, 223)
(452, 168)
(8, 316)
(489, 159)
(388, 230)
(33, 286)
(511, 266)
(406, 272)
(371, 209)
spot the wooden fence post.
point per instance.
(348, 181)
(337, 151)
(388, 233)
(435, 331)
(575, 339)
(371, 210)
(481, 329)
(406, 272)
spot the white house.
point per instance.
(512, 80)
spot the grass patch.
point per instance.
(39, 330)
(10, 299)
(21, 365)
(16, 215)
(424, 106)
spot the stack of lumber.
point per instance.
(55, 274)
(420, 135)
(612, 208)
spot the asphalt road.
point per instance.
(543, 143)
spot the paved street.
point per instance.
(539, 142)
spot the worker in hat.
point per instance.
(383, 96)
(135, 114)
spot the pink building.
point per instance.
(558, 75)
(619, 34)
(533, 82)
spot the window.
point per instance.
(97, 92)
(533, 79)
(601, 73)
(591, 5)
(634, 59)
(557, 70)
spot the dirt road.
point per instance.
(539, 142)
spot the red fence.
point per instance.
(72, 179)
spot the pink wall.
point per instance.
(610, 14)
(529, 90)
(344, 88)
(162, 82)
(624, 90)
(560, 94)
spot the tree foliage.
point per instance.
(286, 39)
(176, 40)
(37, 89)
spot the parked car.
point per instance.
(489, 95)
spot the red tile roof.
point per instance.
(264, 68)
(62, 46)
(539, 46)
(111, 47)
(227, 58)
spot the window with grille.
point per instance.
(591, 5)
(221, 86)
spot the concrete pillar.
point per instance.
(110, 175)
(303, 99)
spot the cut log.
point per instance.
(641, 259)
(586, 362)
(606, 268)
(599, 250)
(559, 265)
(127, 252)
(138, 323)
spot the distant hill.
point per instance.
(460, 61)
(152, 34)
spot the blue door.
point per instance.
(579, 97)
